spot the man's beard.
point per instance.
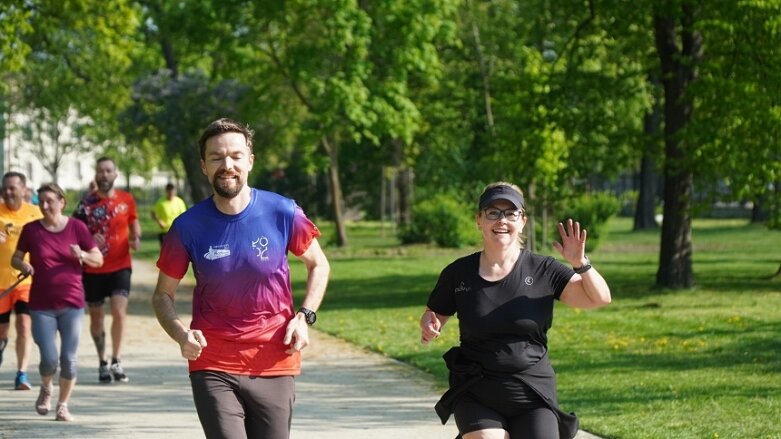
(105, 185)
(226, 191)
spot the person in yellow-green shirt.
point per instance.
(15, 212)
(166, 209)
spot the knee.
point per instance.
(68, 370)
(48, 366)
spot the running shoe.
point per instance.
(63, 414)
(118, 373)
(44, 401)
(22, 382)
(104, 376)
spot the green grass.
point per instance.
(699, 363)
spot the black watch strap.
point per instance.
(309, 315)
(584, 268)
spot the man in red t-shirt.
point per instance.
(110, 215)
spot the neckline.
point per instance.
(512, 269)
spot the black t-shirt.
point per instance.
(503, 324)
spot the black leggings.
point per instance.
(536, 422)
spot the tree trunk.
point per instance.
(199, 184)
(336, 191)
(403, 184)
(758, 213)
(529, 231)
(645, 210)
(647, 181)
(678, 72)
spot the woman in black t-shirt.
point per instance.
(502, 384)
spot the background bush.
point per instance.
(442, 220)
(593, 212)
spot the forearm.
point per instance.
(165, 311)
(18, 262)
(596, 288)
(316, 283)
(135, 230)
(92, 258)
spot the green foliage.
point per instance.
(442, 220)
(593, 211)
(643, 367)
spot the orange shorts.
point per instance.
(20, 293)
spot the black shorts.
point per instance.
(538, 422)
(19, 308)
(98, 286)
(231, 405)
(506, 403)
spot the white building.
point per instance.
(76, 169)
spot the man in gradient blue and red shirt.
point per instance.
(244, 342)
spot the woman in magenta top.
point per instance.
(59, 248)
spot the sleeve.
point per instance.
(174, 258)
(559, 276)
(304, 231)
(23, 244)
(442, 299)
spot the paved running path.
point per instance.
(344, 392)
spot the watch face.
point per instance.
(309, 315)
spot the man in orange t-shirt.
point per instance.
(110, 215)
(14, 214)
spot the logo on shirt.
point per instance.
(461, 288)
(221, 251)
(528, 280)
(261, 245)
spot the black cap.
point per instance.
(501, 193)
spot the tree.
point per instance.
(349, 66)
(73, 75)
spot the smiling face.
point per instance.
(13, 192)
(227, 162)
(51, 204)
(501, 231)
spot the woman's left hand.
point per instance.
(573, 243)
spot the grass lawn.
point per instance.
(699, 363)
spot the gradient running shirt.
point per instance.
(243, 299)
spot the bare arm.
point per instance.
(18, 262)
(586, 290)
(318, 269)
(191, 341)
(134, 235)
(92, 258)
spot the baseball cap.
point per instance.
(501, 192)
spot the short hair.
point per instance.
(105, 159)
(53, 188)
(221, 126)
(170, 186)
(18, 175)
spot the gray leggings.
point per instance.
(238, 406)
(46, 323)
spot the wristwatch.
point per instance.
(584, 268)
(309, 315)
